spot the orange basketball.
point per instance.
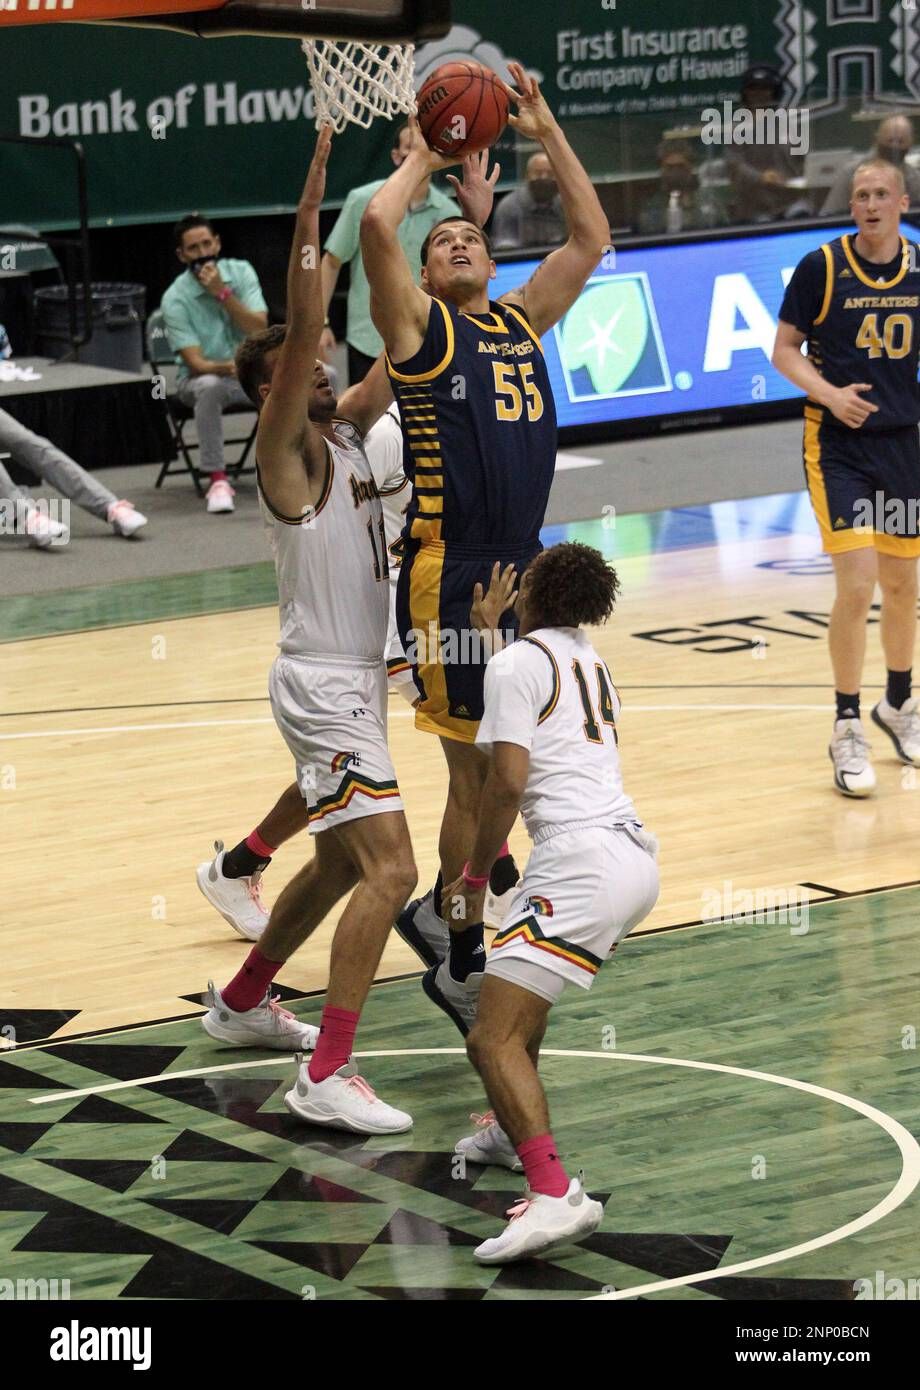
(462, 108)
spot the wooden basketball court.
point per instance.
(779, 949)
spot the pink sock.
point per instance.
(336, 1037)
(542, 1166)
(247, 989)
(503, 852)
(219, 476)
(259, 846)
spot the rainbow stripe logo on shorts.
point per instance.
(541, 906)
(343, 760)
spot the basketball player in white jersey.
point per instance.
(549, 730)
(328, 691)
(232, 880)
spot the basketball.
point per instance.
(462, 108)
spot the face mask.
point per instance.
(198, 265)
(893, 153)
(543, 190)
(678, 179)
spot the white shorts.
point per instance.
(399, 672)
(584, 888)
(333, 719)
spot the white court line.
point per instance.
(393, 714)
(909, 1148)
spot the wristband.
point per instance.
(224, 295)
(471, 880)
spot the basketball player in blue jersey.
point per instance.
(549, 732)
(857, 303)
(480, 444)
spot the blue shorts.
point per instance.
(433, 601)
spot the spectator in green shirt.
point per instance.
(428, 207)
(209, 309)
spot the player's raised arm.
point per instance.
(365, 402)
(291, 452)
(560, 278)
(399, 307)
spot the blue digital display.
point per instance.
(673, 329)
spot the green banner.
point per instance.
(170, 122)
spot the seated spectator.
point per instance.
(679, 203)
(49, 464)
(760, 173)
(893, 141)
(209, 309)
(532, 215)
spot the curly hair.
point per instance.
(250, 359)
(571, 584)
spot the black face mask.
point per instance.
(543, 190)
(198, 265)
(893, 153)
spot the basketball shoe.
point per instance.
(539, 1223)
(421, 928)
(849, 752)
(42, 531)
(490, 1145)
(458, 998)
(238, 900)
(267, 1025)
(902, 726)
(344, 1100)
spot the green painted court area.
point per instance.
(202, 1186)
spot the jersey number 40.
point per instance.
(895, 341)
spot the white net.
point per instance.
(354, 83)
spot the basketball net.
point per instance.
(354, 83)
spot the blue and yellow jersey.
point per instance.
(479, 428)
(862, 322)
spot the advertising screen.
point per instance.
(676, 330)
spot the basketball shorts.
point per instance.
(333, 719)
(448, 660)
(864, 486)
(399, 672)
(585, 886)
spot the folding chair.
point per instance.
(163, 361)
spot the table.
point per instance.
(100, 417)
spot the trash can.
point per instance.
(118, 325)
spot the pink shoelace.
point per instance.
(362, 1087)
(254, 889)
(483, 1121)
(519, 1208)
(118, 507)
(275, 1006)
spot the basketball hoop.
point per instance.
(354, 83)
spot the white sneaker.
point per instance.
(344, 1100)
(539, 1222)
(421, 928)
(238, 900)
(267, 1025)
(495, 907)
(458, 999)
(490, 1146)
(220, 496)
(124, 518)
(42, 531)
(902, 726)
(849, 752)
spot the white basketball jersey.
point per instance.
(550, 692)
(332, 565)
(383, 445)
